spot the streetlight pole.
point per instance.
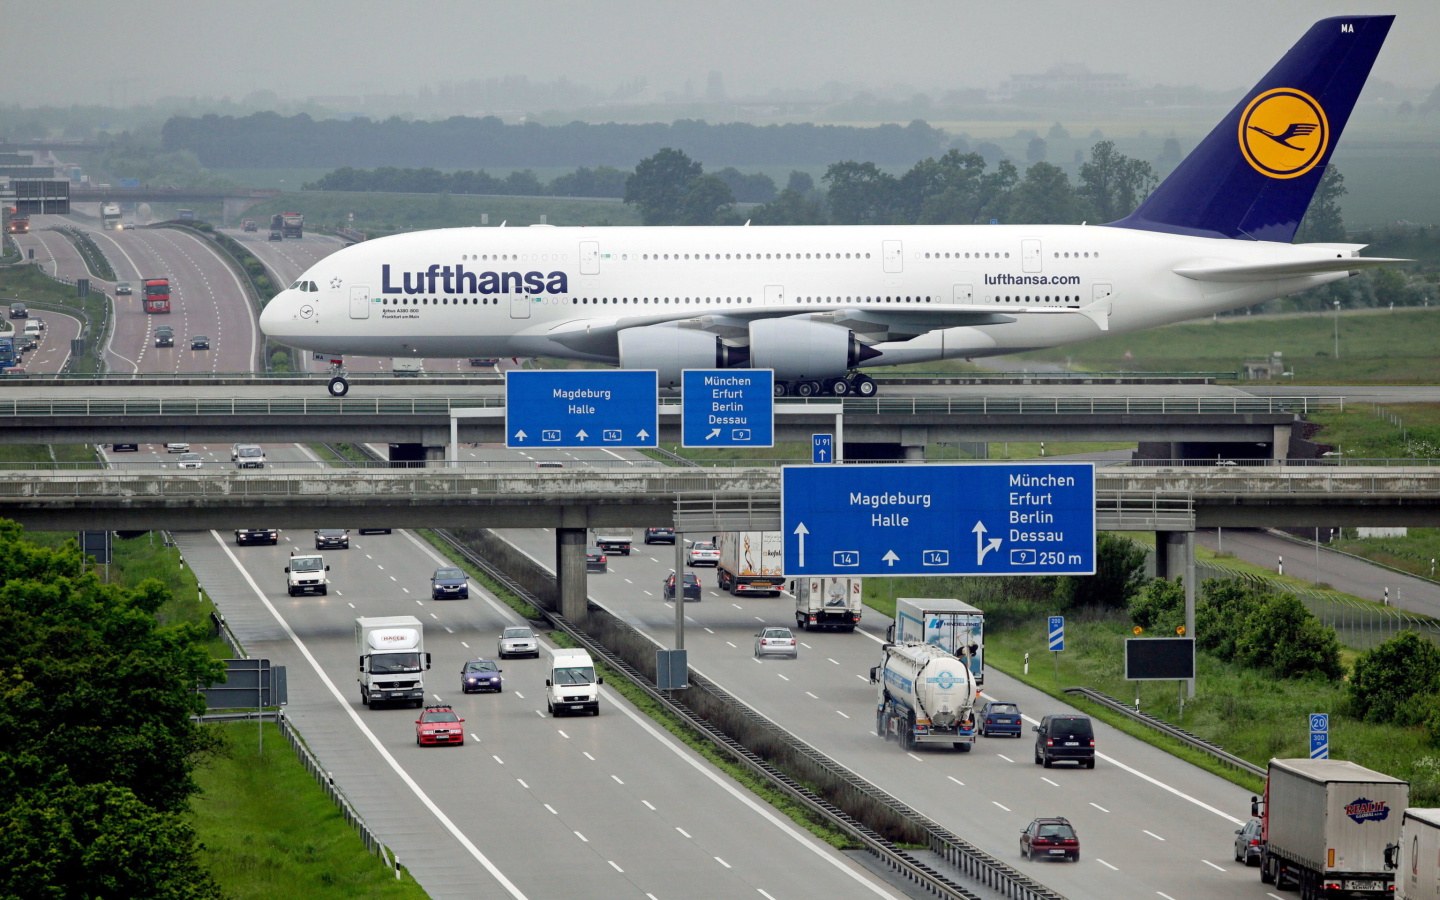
(1337, 329)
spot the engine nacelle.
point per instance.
(799, 349)
(669, 350)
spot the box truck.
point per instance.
(951, 625)
(572, 686)
(1419, 855)
(392, 660)
(751, 562)
(827, 603)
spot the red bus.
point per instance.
(157, 295)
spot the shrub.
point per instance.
(1160, 606)
(1387, 677)
(1282, 636)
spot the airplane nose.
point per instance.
(275, 313)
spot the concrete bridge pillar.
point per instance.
(1175, 558)
(570, 573)
(1280, 447)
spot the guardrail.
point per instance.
(1166, 728)
(971, 860)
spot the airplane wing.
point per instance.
(1276, 271)
(874, 325)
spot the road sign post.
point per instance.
(568, 408)
(822, 449)
(727, 408)
(1057, 641)
(1319, 735)
(963, 519)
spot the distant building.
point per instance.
(1070, 80)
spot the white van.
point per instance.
(572, 686)
(33, 327)
(247, 456)
(306, 574)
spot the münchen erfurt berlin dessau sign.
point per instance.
(962, 519)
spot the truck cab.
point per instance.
(572, 686)
(306, 574)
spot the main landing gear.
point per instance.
(857, 385)
(339, 386)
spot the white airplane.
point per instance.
(816, 303)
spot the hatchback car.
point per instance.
(1065, 738)
(332, 539)
(191, 461)
(777, 642)
(164, 336)
(1050, 838)
(122, 287)
(659, 535)
(480, 675)
(596, 560)
(449, 583)
(1247, 843)
(702, 553)
(438, 724)
(692, 587)
(177, 447)
(1000, 717)
(199, 342)
(517, 640)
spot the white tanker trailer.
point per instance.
(926, 696)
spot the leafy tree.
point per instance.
(800, 182)
(958, 191)
(601, 181)
(790, 208)
(1035, 150)
(1282, 636)
(1044, 196)
(1113, 184)
(756, 188)
(1220, 609)
(995, 192)
(859, 193)
(1323, 221)
(1386, 680)
(1160, 606)
(706, 201)
(1119, 575)
(660, 185)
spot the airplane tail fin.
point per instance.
(1254, 175)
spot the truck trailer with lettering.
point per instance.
(392, 660)
(827, 603)
(1330, 826)
(751, 562)
(952, 625)
(1419, 855)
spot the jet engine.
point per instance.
(799, 349)
(669, 350)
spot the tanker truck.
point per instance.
(926, 696)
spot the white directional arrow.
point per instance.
(890, 557)
(714, 433)
(519, 435)
(581, 434)
(643, 434)
(982, 548)
(802, 531)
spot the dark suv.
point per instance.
(692, 587)
(1065, 738)
(660, 535)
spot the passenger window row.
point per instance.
(701, 257)
(976, 255)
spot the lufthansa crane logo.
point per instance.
(1283, 133)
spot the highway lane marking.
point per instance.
(1268, 894)
(1165, 895)
(811, 696)
(563, 734)
(723, 862)
(551, 808)
(1001, 805)
(497, 759)
(588, 756)
(833, 661)
(1006, 758)
(758, 619)
(433, 616)
(1154, 835)
(517, 693)
(1106, 864)
(684, 832)
(1211, 865)
(782, 676)
(465, 645)
(449, 630)
(418, 603)
(914, 757)
(806, 646)
(737, 648)
(617, 868)
(737, 606)
(582, 837)
(539, 713)
(649, 805)
(711, 630)
(628, 581)
(347, 602)
(648, 594)
(617, 779)
(956, 780)
(761, 892)
(841, 713)
(476, 738)
(859, 676)
(1099, 807)
(1048, 781)
(405, 589)
(385, 754)
(393, 578)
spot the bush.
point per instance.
(1221, 610)
(1282, 636)
(1386, 679)
(1161, 606)
(1119, 576)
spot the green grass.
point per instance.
(1376, 346)
(269, 831)
(1031, 449)
(26, 283)
(29, 454)
(1360, 433)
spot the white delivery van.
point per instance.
(33, 327)
(572, 686)
(306, 574)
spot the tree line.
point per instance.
(601, 181)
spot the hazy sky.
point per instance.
(77, 51)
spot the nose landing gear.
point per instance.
(338, 385)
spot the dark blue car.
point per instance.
(1000, 717)
(449, 583)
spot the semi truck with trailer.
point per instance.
(926, 696)
(1419, 863)
(751, 562)
(157, 295)
(292, 225)
(109, 215)
(827, 603)
(1330, 827)
(392, 660)
(952, 625)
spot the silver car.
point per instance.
(779, 641)
(517, 640)
(191, 461)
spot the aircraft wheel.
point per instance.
(781, 388)
(839, 387)
(865, 386)
(807, 388)
(338, 386)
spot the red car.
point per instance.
(1050, 839)
(438, 724)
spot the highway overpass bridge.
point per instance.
(439, 416)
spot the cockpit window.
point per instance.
(313, 286)
(298, 286)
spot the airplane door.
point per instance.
(774, 294)
(520, 306)
(359, 301)
(964, 294)
(893, 255)
(589, 257)
(1031, 257)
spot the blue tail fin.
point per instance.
(1253, 176)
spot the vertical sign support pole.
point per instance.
(1190, 599)
(680, 591)
(454, 440)
(838, 452)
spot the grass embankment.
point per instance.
(339, 455)
(28, 284)
(269, 831)
(37, 455)
(1376, 346)
(642, 701)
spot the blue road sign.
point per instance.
(1057, 632)
(581, 408)
(1319, 721)
(822, 449)
(966, 519)
(728, 408)
(1319, 745)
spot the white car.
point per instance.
(191, 461)
(702, 553)
(517, 640)
(776, 640)
(177, 447)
